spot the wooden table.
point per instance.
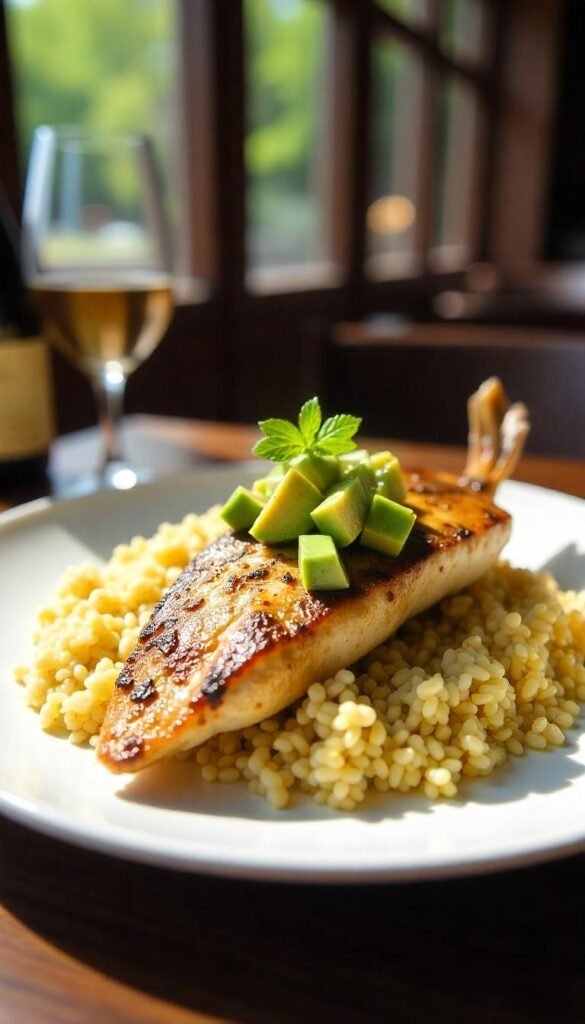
(87, 938)
(169, 444)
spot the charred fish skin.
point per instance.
(237, 638)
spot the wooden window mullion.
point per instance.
(426, 42)
(360, 143)
(492, 105)
(432, 82)
(228, 48)
(197, 235)
(340, 116)
(229, 89)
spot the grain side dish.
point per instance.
(493, 671)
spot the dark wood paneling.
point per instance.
(528, 69)
(417, 389)
(566, 206)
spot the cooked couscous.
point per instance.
(492, 671)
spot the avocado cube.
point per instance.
(364, 472)
(343, 513)
(389, 481)
(321, 470)
(349, 460)
(387, 526)
(241, 509)
(260, 489)
(320, 565)
(287, 513)
(268, 484)
(379, 459)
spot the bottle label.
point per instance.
(26, 408)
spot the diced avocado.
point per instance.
(390, 482)
(287, 513)
(241, 509)
(351, 459)
(334, 468)
(268, 484)
(321, 470)
(343, 513)
(260, 489)
(320, 565)
(364, 472)
(379, 459)
(387, 526)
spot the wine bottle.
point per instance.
(26, 407)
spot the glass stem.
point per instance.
(109, 387)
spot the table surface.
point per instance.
(88, 938)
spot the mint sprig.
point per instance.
(283, 440)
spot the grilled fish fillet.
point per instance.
(237, 638)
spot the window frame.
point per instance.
(212, 38)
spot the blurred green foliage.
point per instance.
(285, 44)
(286, 47)
(388, 60)
(103, 63)
(112, 64)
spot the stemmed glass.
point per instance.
(97, 257)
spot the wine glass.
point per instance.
(97, 257)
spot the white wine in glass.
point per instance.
(96, 253)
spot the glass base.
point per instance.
(117, 476)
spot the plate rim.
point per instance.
(61, 827)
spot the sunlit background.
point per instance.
(112, 65)
(323, 162)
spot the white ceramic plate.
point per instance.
(530, 810)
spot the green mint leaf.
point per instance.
(282, 441)
(281, 430)
(335, 436)
(310, 420)
(276, 451)
(334, 446)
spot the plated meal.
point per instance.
(342, 626)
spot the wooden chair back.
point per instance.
(412, 381)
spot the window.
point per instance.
(456, 177)
(395, 157)
(121, 66)
(97, 63)
(324, 159)
(285, 77)
(428, 138)
(464, 30)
